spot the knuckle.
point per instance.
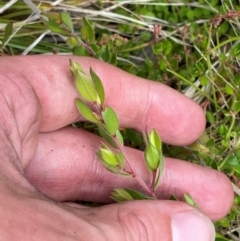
(136, 226)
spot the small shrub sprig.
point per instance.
(91, 106)
(83, 43)
(111, 153)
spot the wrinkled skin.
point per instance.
(45, 165)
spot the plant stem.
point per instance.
(135, 174)
(231, 126)
(153, 180)
(80, 42)
(209, 64)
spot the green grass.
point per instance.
(194, 48)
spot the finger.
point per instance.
(45, 219)
(65, 167)
(139, 103)
(151, 221)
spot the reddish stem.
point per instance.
(133, 171)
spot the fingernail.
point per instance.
(192, 226)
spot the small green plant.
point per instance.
(112, 153)
(83, 43)
(92, 108)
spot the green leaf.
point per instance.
(219, 237)
(236, 106)
(190, 15)
(112, 162)
(159, 171)
(155, 140)
(214, 2)
(210, 117)
(107, 157)
(7, 32)
(223, 28)
(95, 48)
(121, 159)
(168, 47)
(51, 15)
(197, 12)
(85, 87)
(193, 70)
(222, 130)
(55, 27)
(86, 112)
(106, 55)
(87, 32)
(235, 51)
(225, 143)
(72, 41)
(223, 57)
(120, 195)
(98, 86)
(204, 80)
(80, 51)
(162, 47)
(223, 223)
(236, 79)
(173, 198)
(111, 120)
(200, 67)
(237, 201)
(152, 158)
(163, 64)
(84, 32)
(103, 132)
(136, 195)
(210, 142)
(74, 67)
(66, 19)
(113, 59)
(229, 90)
(119, 137)
(188, 199)
(158, 48)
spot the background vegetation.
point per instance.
(192, 46)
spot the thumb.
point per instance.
(153, 221)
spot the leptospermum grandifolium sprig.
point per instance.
(112, 153)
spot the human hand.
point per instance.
(38, 152)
